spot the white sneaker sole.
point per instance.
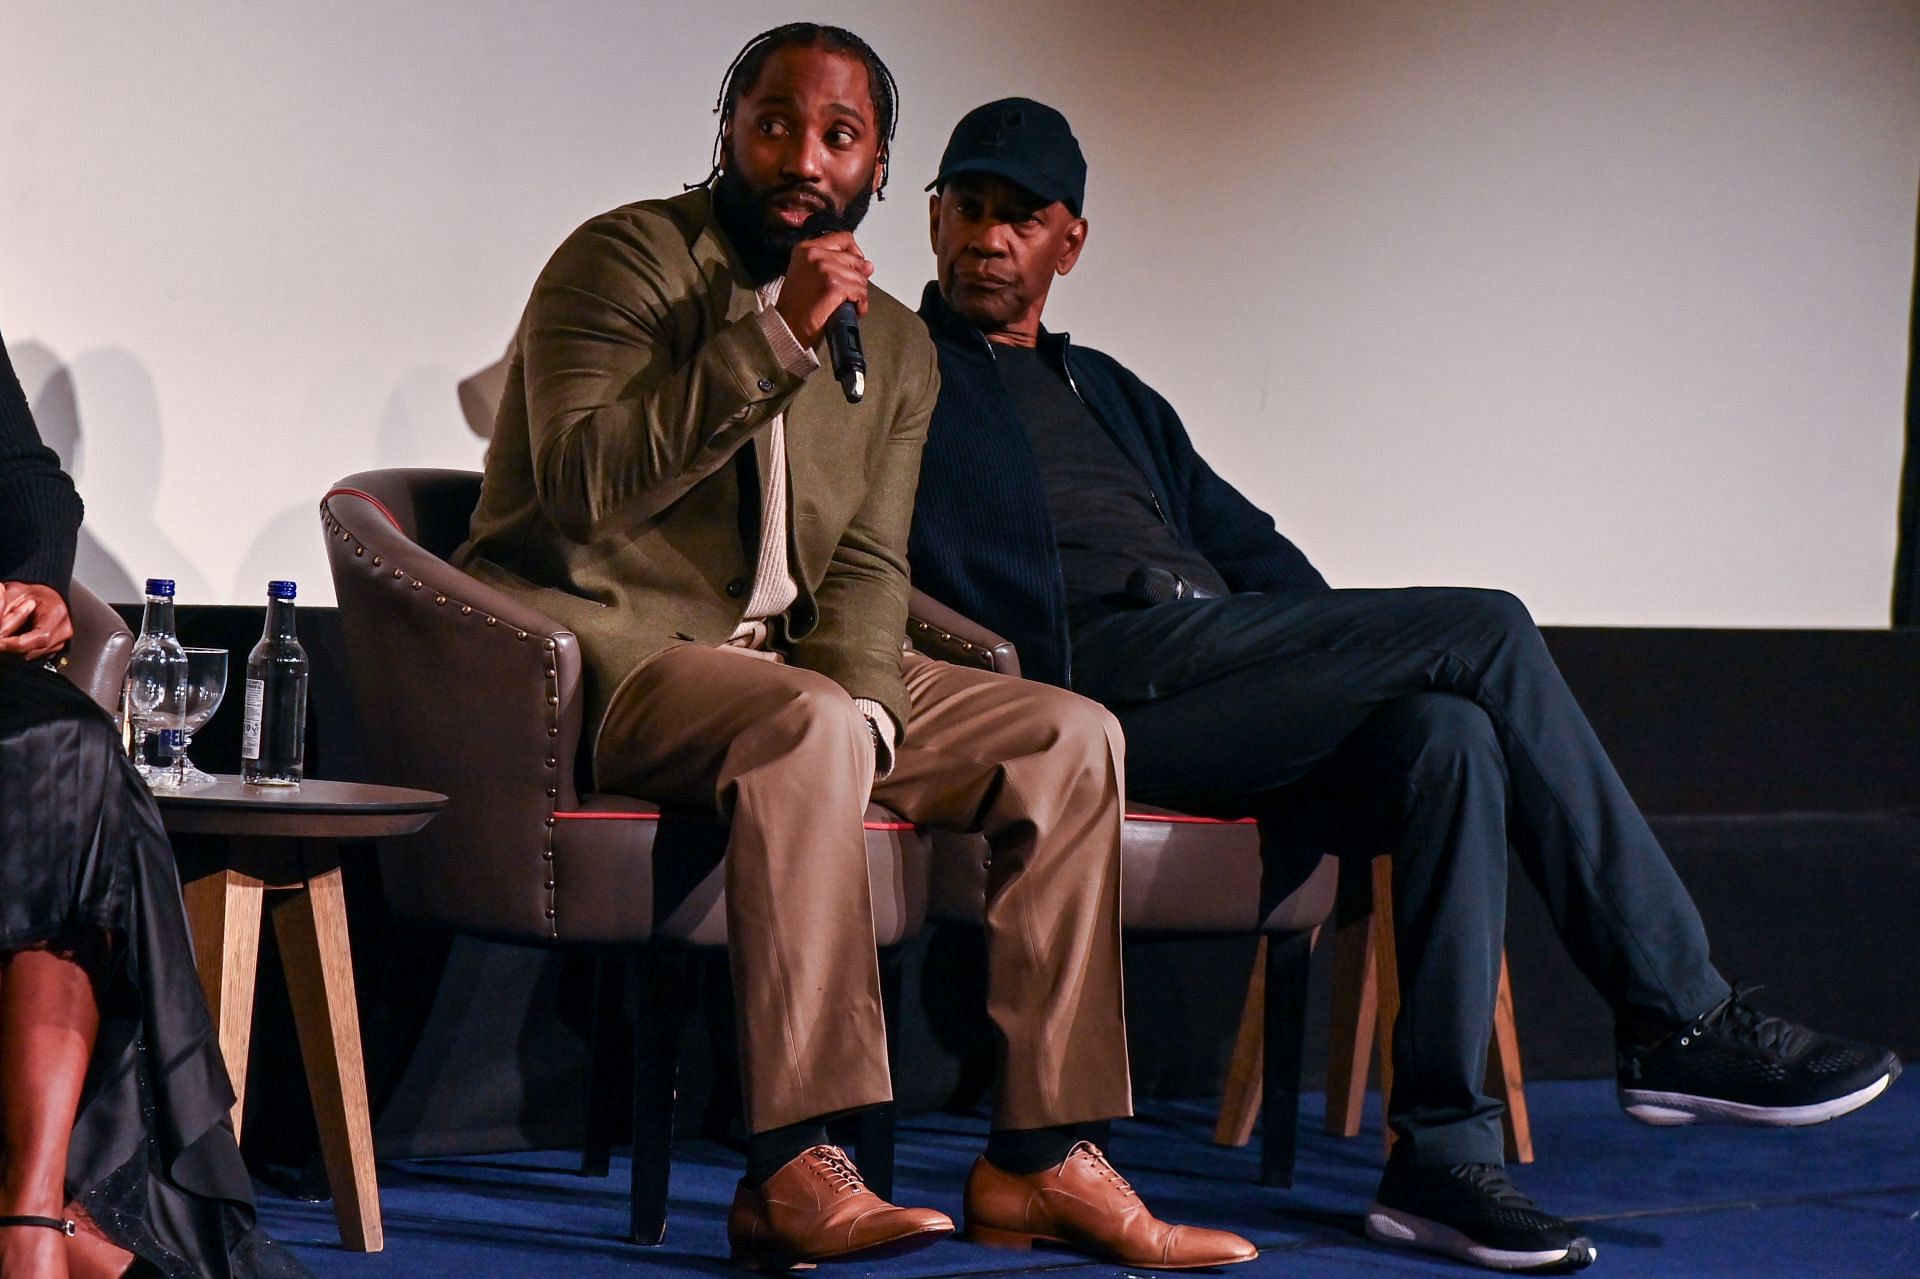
(1671, 1109)
(1404, 1230)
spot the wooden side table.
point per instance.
(284, 840)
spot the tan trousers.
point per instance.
(787, 757)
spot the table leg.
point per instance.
(223, 911)
(311, 923)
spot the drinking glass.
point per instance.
(156, 690)
(206, 685)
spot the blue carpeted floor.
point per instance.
(1838, 1200)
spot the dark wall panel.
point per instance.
(1781, 770)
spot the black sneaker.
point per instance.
(1735, 1065)
(1471, 1212)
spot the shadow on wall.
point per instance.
(413, 430)
(100, 414)
(286, 548)
(122, 417)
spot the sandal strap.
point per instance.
(62, 1224)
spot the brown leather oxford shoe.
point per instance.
(1085, 1205)
(817, 1207)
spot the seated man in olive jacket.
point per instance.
(1062, 504)
(673, 477)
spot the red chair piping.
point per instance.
(378, 505)
(654, 817)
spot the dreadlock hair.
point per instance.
(744, 72)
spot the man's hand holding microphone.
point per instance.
(825, 291)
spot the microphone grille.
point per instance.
(1153, 585)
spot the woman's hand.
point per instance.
(33, 620)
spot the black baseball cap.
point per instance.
(1022, 141)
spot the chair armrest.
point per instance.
(462, 689)
(96, 660)
(447, 668)
(941, 633)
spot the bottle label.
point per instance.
(250, 719)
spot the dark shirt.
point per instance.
(39, 511)
(982, 539)
(1106, 521)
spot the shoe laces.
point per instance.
(1094, 1155)
(833, 1166)
(1733, 1018)
(1491, 1182)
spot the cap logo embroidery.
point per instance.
(1004, 124)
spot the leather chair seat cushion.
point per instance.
(623, 871)
(1179, 875)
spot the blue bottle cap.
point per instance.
(160, 586)
(280, 590)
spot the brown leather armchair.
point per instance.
(464, 690)
(96, 659)
(1182, 876)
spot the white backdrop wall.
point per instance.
(1604, 303)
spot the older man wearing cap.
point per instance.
(1062, 504)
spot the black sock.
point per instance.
(770, 1151)
(1643, 1027)
(1026, 1150)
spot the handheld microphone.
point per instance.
(843, 345)
(843, 330)
(1152, 586)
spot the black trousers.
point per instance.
(1431, 724)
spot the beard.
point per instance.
(765, 244)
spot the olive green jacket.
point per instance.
(622, 492)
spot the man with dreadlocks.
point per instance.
(672, 478)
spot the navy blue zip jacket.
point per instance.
(982, 539)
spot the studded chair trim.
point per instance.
(521, 656)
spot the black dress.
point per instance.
(85, 865)
(82, 856)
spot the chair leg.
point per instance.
(1386, 980)
(1355, 1008)
(1286, 1014)
(661, 980)
(723, 1121)
(603, 1065)
(873, 1140)
(1504, 1077)
(1240, 1095)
